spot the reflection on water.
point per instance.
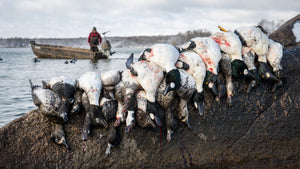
(18, 66)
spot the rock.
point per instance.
(284, 34)
(259, 130)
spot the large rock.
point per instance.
(284, 34)
(260, 130)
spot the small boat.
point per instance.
(65, 52)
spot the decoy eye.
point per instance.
(206, 82)
(152, 116)
(211, 85)
(172, 85)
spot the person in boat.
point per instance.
(94, 40)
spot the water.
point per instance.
(17, 67)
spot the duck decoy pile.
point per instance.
(164, 77)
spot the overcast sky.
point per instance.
(75, 18)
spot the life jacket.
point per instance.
(94, 39)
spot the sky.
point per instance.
(75, 18)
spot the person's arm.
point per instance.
(89, 38)
(100, 39)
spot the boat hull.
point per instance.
(64, 52)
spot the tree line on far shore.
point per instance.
(123, 42)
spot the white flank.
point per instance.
(296, 31)
(111, 77)
(164, 55)
(129, 118)
(91, 83)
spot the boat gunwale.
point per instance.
(86, 53)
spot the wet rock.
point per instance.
(259, 130)
(284, 34)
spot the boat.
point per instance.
(65, 52)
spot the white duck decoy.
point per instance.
(49, 103)
(178, 97)
(186, 92)
(125, 96)
(197, 70)
(230, 44)
(210, 53)
(91, 84)
(165, 56)
(149, 76)
(52, 106)
(257, 40)
(274, 57)
(249, 58)
(226, 68)
(167, 102)
(110, 79)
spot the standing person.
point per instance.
(94, 40)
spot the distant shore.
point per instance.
(117, 42)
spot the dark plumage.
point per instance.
(49, 103)
(240, 69)
(109, 109)
(171, 123)
(113, 139)
(142, 116)
(265, 73)
(225, 65)
(173, 80)
(169, 103)
(143, 119)
(77, 105)
(210, 82)
(34, 60)
(63, 89)
(93, 117)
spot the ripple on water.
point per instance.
(18, 66)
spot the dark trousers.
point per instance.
(94, 48)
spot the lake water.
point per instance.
(17, 67)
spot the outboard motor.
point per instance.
(105, 45)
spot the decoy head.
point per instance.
(63, 110)
(144, 54)
(77, 105)
(173, 81)
(143, 119)
(198, 99)
(265, 72)
(188, 46)
(210, 82)
(240, 69)
(59, 138)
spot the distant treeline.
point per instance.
(117, 42)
